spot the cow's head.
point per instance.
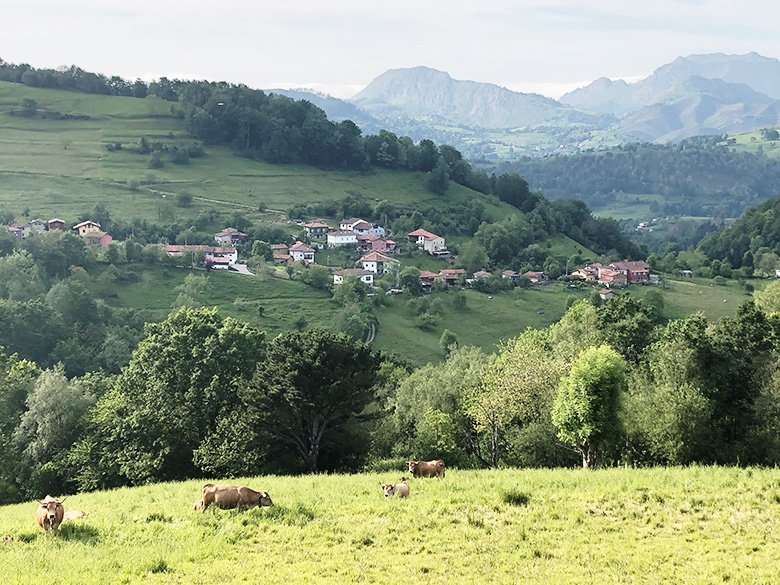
(388, 489)
(50, 505)
(265, 499)
(411, 466)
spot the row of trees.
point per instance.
(702, 176)
(207, 395)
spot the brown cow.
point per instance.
(227, 497)
(433, 468)
(401, 489)
(50, 514)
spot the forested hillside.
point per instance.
(699, 176)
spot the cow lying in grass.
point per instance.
(228, 497)
(401, 489)
(433, 468)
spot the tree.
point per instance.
(262, 250)
(439, 178)
(309, 390)
(51, 424)
(192, 291)
(448, 341)
(409, 280)
(183, 377)
(516, 393)
(585, 406)
(473, 257)
(17, 378)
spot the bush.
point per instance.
(515, 497)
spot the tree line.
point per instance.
(205, 395)
(701, 176)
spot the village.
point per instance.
(375, 255)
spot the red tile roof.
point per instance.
(424, 233)
(301, 247)
(376, 257)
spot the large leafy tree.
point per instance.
(183, 377)
(17, 377)
(585, 407)
(309, 390)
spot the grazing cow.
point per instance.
(227, 497)
(50, 514)
(433, 468)
(401, 489)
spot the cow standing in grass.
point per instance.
(50, 514)
(433, 468)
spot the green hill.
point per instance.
(565, 526)
(55, 163)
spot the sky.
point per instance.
(338, 47)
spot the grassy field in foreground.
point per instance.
(664, 525)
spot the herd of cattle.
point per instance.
(50, 514)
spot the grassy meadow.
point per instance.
(61, 168)
(662, 525)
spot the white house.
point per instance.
(365, 276)
(376, 262)
(348, 224)
(342, 238)
(87, 227)
(364, 228)
(429, 242)
(301, 251)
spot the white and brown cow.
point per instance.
(50, 514)
(400, 489)
(227, 497)
(433, 468)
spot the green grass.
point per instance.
(664, 525)
(61, 167)
(684, 297)
(486, 320)
(283, 301)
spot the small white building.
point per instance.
(377, 263)
(429, 242)
(348, 224)
(302, 252)
(87, 227)
(364, 228)
(342, 238)
(365, 276)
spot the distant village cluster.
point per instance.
(367, 239)
(90, 231)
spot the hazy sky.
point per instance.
(339, 46)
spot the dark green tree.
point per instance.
(311, 388)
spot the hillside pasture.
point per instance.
(61, 167)
(664, 525)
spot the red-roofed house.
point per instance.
(215, 251)
(634, 271)
(302, 252)
(536, 277)
(610, 277)
(510, 275)
(606, 294)
(280, 253)
(229, 237)
(374, 243)
(365, 276)
(429, 242)
(316, 229)
(377, 263)
(451, 276)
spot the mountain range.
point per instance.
(695, 95)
